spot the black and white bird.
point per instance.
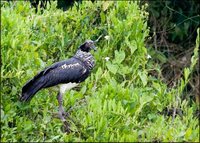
(64, 74)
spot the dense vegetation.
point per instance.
(120, 101)
(173, 30)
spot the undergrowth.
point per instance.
(120, 101)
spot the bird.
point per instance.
(65, 75)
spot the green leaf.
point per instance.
(124, 69)
(143, 77)
(145, 99)
(112, 67)
(55, 137)
(160, 56)
(83, 89)
(2, 114)
(106, 4)
(99, 73)
(186, 73)
(132, 45)
(28, 125)
(188, 133)
(119, 56)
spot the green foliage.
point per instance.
(122, 102)
(178, 19)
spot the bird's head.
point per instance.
(87, 46)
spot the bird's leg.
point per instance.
(60, 108)
(61, 112)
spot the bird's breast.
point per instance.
(67, 86)
(86, 58)
(90, 63)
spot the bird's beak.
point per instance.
(94, 47)
(98, 38)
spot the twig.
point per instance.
(155, 36)
(174, 114)
(174, 109)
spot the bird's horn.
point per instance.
(98, 38)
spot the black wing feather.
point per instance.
(72, 70)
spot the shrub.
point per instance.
(121, 101)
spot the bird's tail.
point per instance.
(32, 87)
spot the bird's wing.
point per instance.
(71, 70)
(40, 75)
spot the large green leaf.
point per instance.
(112, 67)
(119, 56)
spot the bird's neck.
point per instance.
(86, 58)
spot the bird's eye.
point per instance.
(89, 44)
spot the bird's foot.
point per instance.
(63, 115)
(66, 125)
(66, 114)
